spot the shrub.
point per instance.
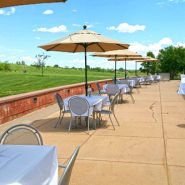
(5, 66)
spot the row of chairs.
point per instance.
(23, 134)
(112, 89)
(79, 107)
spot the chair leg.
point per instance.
(88, 124)
(76, 121)
(133, 100)
(70, 124)
(58, 121)
(111, 121)
(116, 119)
(61, 118)
(98, 117)
(94, 120)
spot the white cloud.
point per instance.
(2, 55)
(38, 38)
(74, 10)
(55, 29)
(165, 41)
(77, 25)
(180, 44)
(89, 26)
(28, 59)
(2, 12)
(8, 12)
(126, 28)
(154, 47)
(13, 57)
(48, 12)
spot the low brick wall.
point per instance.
(12, 107)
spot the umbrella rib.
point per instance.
(52, 47)
(100, 47)
(122, 46)
(75, 48)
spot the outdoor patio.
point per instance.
(147, 148)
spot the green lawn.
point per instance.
(16, 82)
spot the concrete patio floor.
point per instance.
(148, 148)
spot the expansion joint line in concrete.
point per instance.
(164, 138)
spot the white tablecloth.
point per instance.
(182, 86)
(141, 79)
(28, 165)
(182, 76)
(96, 102)
(122, 87)
(132, 82)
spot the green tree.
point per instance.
(121, 69)
(5, 66)
(56, 66)
(41, 61)
(172, 60)
(150, 67)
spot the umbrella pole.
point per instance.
(125, 68)
(115, 72)
(86, 84)
(135, 68)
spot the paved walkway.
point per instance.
(147, 149)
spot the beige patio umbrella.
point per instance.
(125, 59)
(7, 3)
(84, 41)
(145, 59)
(118, 53)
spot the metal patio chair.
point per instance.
(129, 90)
(110, 111)
(65, 178)
(112, 90)
(79, 107)
(21, 134)
(100, 90)
(61, 107)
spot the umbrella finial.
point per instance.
(84, 27)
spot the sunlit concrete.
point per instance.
(148, 148)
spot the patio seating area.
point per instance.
(146, 149)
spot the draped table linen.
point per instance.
(28, 165)
(95, 102)
(122, 87)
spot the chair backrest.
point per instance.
(113, 102)
(79, 106)
(112, 89)
(98, 87)
(21, 134)
(65, 178)
(59, 101)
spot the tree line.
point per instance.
(171, 60)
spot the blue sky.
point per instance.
(147, 25)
